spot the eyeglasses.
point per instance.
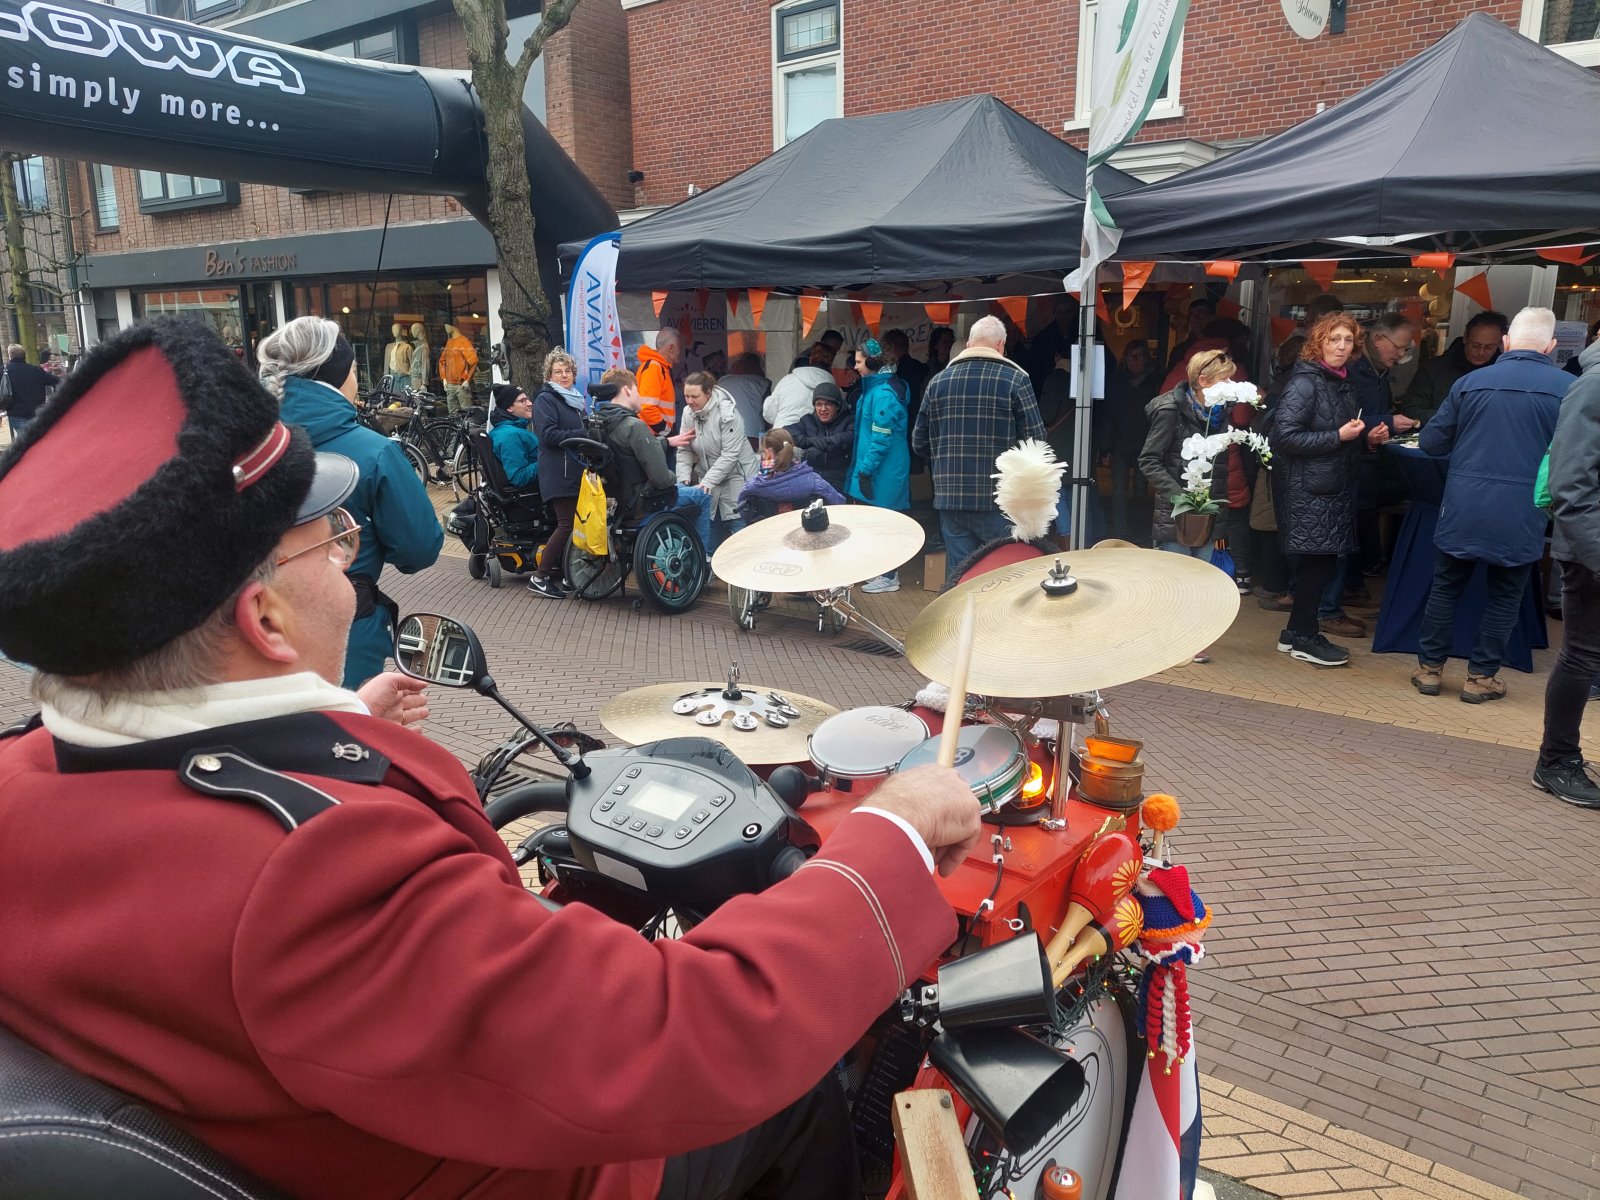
(1405, 351)
(342, 545)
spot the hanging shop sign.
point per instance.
(1308, 18)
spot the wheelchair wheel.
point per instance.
(477, 566)
(742, 604)
(591, 578)
(497, 573)
(669, 563)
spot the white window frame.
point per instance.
(1585, 54)
(782, 68)
(1165, 109)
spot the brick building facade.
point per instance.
(1242, 74)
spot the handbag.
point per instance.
(5, 387)
(1223, 561)
(589, 519)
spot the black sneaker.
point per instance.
(1318, 651)
(541, 586)
(1569, 782)
(1286, 641)
(565, 588)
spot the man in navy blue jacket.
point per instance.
(1496, 424)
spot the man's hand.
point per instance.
(939, 805)
(1377, 436)
(705, 487)
(1404, 424)
(395, 697)
(681, 440)
(864, 482)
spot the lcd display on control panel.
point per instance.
(662, 801)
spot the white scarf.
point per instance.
(79, 717)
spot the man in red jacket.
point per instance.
(237, 892)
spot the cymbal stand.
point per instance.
(838, 599)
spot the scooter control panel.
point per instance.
(682, 819)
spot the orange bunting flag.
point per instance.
(1434, 260)
(659, 299)
(1564, 254)
(1015, 307)
(1134, 276)
(733, 302)
(1476, 289)
(1282, 330)
(872, 314)
(1101, 309)
(702, 298)
(1322, 271)
(758, 304)
(1223, 268)
(940, 314)
(810, 306)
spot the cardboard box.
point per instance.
(933, 571)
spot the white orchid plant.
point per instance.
(1230, 392)
(1200, 452)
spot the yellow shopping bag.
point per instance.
(589, 524)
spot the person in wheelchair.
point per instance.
(646, 480)
(782, 481)
(511, 433)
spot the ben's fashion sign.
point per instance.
(96, 67)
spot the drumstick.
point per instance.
(950, 735)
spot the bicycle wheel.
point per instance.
(465, 476)
(591, 578)
(436, 439)
(418, 463)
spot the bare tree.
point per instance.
(17, 256)
(524, 308)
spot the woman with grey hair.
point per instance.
(558, 411)
(310, 366)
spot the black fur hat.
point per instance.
(149, 487)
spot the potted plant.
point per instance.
(1195, 509)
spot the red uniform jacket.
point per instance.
(371, 1005)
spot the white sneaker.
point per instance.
(883, 583)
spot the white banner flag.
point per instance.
(1134, 41)
(594, 333)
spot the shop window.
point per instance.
(28, 176)
(219, 308)
(1570, 27)
(1166, 104)
(807, 67)
(103, 186)
(161, 191)
(205, 10)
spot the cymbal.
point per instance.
(1131, 614)
(777, 555)
(646, 715)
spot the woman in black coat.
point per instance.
(827, 434)
(558, 409)
(1317, 434)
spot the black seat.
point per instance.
(519, 507)
(67, 1137)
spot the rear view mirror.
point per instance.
(440, 650)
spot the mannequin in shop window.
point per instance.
(457, 363)
(419, 357)
(397, 355)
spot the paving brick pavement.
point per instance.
(1399, 978)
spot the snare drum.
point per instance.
(864, 743)
(991, 760)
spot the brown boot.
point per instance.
(1428, 678)
(1343, 626)
(1480, 689)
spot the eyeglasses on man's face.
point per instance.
(1405, 351)
(342, 544)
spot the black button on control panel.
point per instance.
(620, 819)
(637, 825)
(619, 789)
(607, 805)
(631, 773)
(718, 801)
(654, 831)
(701, 817)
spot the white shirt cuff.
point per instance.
(916, 838)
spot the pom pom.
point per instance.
(1160, 812)
(1027, 487)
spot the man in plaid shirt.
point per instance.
(979, 406)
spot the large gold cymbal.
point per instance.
(777, 555)
(1133, 613)
(646, 715)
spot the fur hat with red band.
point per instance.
(147, 490)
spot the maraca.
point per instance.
(1106, 874)
(1126, 923)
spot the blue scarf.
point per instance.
(571, 395)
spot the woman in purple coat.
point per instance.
(782, 480)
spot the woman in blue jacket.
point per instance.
(558, 411)
(310, 367)
(881, 473)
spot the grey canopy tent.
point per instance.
(1485, 145)
(964, 199)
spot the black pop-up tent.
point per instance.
(966, 196)
(1485, 144)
